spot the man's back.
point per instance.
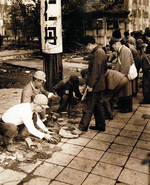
(96, 70)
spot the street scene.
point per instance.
(75, 92)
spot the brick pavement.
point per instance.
(113, 157)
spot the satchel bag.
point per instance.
(132, 72)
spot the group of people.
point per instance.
(106, 80)
(139, 44)
(28, 117)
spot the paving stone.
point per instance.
(147, 128)
(144, 108)
(98, 180)
(134, 128)
(79, 141)
(139, 122)
(72, 176)
(137, 116)
(99, 145)
(120, 149)
(107, 170)
(58, 183)
(140, 153)
(82, 164)
(10, 176)
(111, 130)
(12, 183)
(145, 137)
(38, 181)
(91, 154)
(1, 169)
(125, 141)
(123, 117)
(143, 144)
(60, 159)
(133, 177)
(71, 149)
(116, 124)
(136, 164)
(104, 137)
(90, 134)
(48, 170)
(115, 159)
(130, 134)
(27, 167)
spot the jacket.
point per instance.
(112, 78)
(125, 60)
(29, 92)
(95, 75)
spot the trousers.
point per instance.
(9, 131)
(93, 104)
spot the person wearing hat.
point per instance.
(19, 116)
(147, 35)
(129, 39)
(123, 63)
(66, 89)
(34, 87)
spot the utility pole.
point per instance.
(51, 39)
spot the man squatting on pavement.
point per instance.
(15, 119)
(34, 87)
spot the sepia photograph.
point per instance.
(74, 92)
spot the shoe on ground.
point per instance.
(97, 128)
(10, 148)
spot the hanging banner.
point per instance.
(51, 30)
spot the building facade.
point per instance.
(132, 15)
(100, 21)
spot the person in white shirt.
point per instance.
(22, 114)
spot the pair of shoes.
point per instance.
(97, 128)
(125, 111)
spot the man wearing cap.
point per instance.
(19, 116)
(123, 63)
(34, 87)
(65, 90)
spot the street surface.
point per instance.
(117, 156)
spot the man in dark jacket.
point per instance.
(95, 82)
(65, 89)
